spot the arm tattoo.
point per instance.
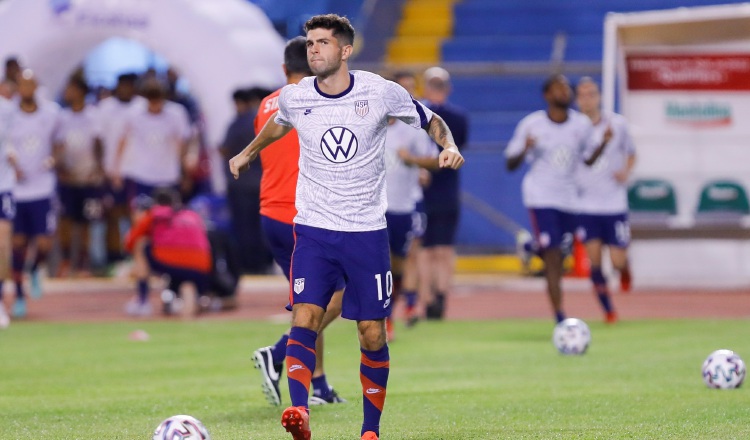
(440, 133)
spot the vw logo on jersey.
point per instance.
(339, 144)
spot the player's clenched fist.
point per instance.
(450, 158)
(240, 163)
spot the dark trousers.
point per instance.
(244, 206)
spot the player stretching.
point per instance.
(603, 194)
(553, 142)
(341, 119)
(278, 184)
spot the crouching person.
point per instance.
(167, 240)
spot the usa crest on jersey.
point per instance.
(299, 285)
(361, 108)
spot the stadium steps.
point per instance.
(419, 35)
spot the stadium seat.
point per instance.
(652, 202)
(722, 201)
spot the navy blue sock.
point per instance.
(321, 387)
(410, 297)
(300, 364)
(600, 285)
(373, 373)
(143, 291)
(559, 316)
(278, 350)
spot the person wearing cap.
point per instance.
(442, 199)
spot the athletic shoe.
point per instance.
(271, 374)
(611, 317)
(369, 435)
(138, 309)
(436, 309)
(523, 241)
(625, 281)
(296, 421)
(36, 284)
(411, 320)
(4, 318)
(333, 397)
(19, 308)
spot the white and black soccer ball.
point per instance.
(181, 427)
(723, 369)
(571, 336)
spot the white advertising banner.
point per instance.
(689, 114)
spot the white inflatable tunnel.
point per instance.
(217, 45)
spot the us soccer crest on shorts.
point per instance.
(299, 285)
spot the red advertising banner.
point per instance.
(689, 72)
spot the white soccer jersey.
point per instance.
(402, 181)
(599, 191)
(341, 183)
(77, 133)
(113, 117)
(152, 155)
(7, 173)
(30, 138)
(557, 152)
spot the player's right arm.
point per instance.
(270, 133)
(518, 146)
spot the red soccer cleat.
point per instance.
(369, 435)
(611, 317)
(296, 421)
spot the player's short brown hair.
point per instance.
(341, 27)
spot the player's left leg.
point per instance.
(43, 228)
(618, 251)
(374, 370)
(368, 300)
(593, 234)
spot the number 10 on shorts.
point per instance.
(388, 286)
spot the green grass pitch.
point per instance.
(449, 380)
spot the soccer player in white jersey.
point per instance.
(152, 151)
(341, 119)
(113, 113)
(7, 205)
(30, 142)
(553, 142)
(80, 172)
(603, 194)
(407, 151)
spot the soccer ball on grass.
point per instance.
(723, 369)
(181, 427)
(571, 336)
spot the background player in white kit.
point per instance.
(7, 205)
(30, 142)
(113, 112)
(407, 151)
(603, 194)
(153, 149)
(80, 173)
(341, 120)
(554, 142)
